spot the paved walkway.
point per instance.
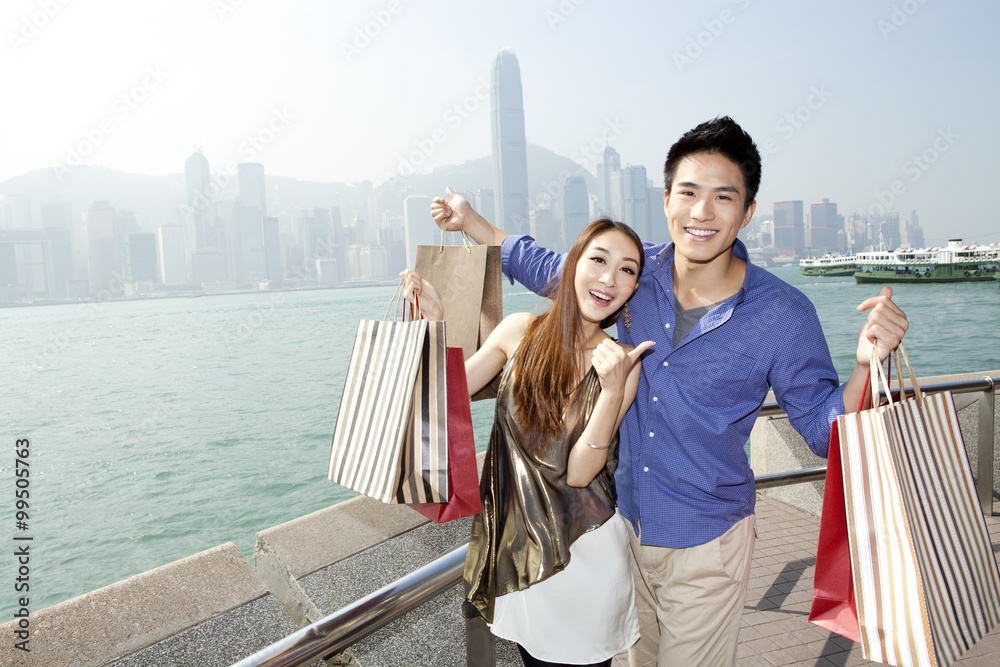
(775, 629)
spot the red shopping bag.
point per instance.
(833, 604)
(463, 477)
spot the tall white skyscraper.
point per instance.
(196, 180)
(173, 268)
(510, 156)
(630, 199)
(610, 163)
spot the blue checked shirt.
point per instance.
(682, 464)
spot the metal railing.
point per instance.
(339, 630)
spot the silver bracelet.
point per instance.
(592, 446)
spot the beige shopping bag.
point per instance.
(468, 279)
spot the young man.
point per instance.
(725, 331)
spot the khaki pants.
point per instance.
(690, 600)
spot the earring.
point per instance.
(628, 319)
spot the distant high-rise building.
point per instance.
(544, 228)
(484, 201)
(140, 257)
(272, 252)
(576, 209)
(630, 199)
(57, 215)
(196, 179)
(418, 226)
(510, 153)
(609, 164)
(103, 245)
(889, 230)
(252, 262)
(15, 212)
(827, 227)
(173, 268)
(913, 233)
(789, 228)
(659, 231)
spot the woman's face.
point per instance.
(606, 275)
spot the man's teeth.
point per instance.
(700, 232)
(598, 295)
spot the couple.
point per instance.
(704, 336)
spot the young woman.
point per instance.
(548, 561)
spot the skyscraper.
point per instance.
(103, 241)
(196, 180)
(611, 163)
(170, 241)
(576, 208)
(789, 228)
(510, 156)
(630, 199)
(252, 261)
(826, 226)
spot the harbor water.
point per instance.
(161, 428)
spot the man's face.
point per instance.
(705, 207)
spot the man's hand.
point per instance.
(884, 328)
(450, 214)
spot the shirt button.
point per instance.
(650, 434)
(645, 469)
(667, 325)
(655, 399)
(666, 363)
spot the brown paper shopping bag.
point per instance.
(468, 279)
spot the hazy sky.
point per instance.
(865, 102)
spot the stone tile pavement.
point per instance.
(775, 629)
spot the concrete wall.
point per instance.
(776, 447)
(112, 622)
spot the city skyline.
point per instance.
(872, 105)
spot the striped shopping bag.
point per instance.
(926, 585)
(390, 441)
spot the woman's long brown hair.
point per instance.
(547, 364)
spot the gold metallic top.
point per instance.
(530, 514)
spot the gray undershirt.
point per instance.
(685, 320)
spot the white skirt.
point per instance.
(584, 614)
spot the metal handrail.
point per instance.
(339, 630)
(334, 633)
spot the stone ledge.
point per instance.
(112, 622)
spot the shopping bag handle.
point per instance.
(465, 241)
(396, 298)
(899, 352)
